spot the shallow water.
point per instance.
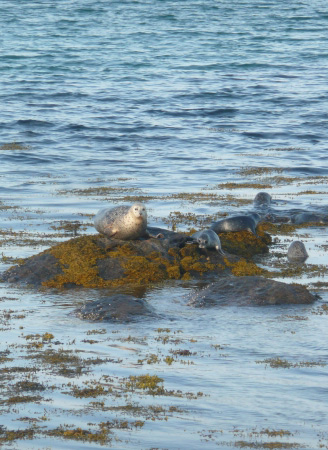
(154, 100)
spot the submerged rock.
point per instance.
(252, 290)
(96, 261)
(115, 308)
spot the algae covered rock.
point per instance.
(245, 243)
(115, 308)
(95, 261)
(252, 290)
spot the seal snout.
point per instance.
(139, 210)
(202, 243)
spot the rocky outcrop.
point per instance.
(252, 290)
(96, 261)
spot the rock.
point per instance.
(95, 261)
(36, 270)
(252, 290)
(115, 308)
(244, 243)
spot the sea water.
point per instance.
(105, 101)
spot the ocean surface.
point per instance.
(192, 107)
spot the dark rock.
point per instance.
(95, 261)
(39, 268)
(252, 290)
(115, 308)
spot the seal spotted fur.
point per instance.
(123, 222)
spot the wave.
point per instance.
(34, 123)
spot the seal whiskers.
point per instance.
(208, 239)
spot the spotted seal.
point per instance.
(297, 251)
(123, 222)
(208, 239)
(237, 223)
(262, 199)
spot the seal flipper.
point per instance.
(148, 235)
(157, 236)
(252, 230)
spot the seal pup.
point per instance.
(123, 222)
(237, 223)
(297, 252)
(262, 199)
(208, 239)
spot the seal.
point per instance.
(237, 223)
(208, 239)
(297, 252)
(256, 217)
(123, 222)
(299, 219)
(262, 199)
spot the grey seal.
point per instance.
(305, 217)
(123, 222)
(237, 223)
(256, 217)
(297, 251)
(262, 199)
(208, 239)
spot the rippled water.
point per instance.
(155, 99)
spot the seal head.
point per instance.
(262, 200)
(122, 222)
(208, 239)
(297, 252)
